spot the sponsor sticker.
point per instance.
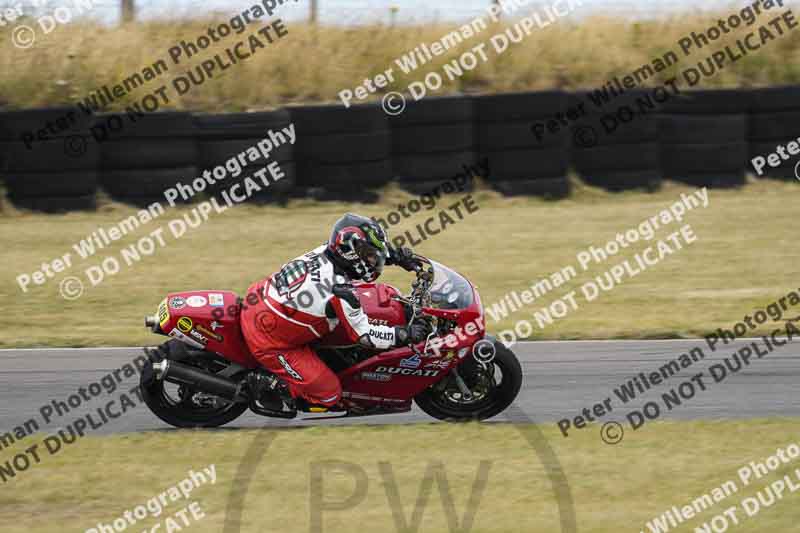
(185, 324)
(216, 299)
(382, 335)
(289, 370)
(412, 362)
(216, 336)
(196, 301)
(216, 325)
(199, 337)
(177, 302)
(290, 278)
(163, 313)
(375, 376)
(183, 338)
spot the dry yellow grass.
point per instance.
(613, 488)
(314, 64)
(744, 258)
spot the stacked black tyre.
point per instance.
(519, 162)
(615, 145)
(56, 170)
(342, 153)
(775, 121)
(144, 155)
(704, 137)
(433, 143)
(223, 138)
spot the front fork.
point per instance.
(465, 392)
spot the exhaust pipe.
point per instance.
(205, 381)
(152, 323)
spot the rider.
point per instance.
(309, 296)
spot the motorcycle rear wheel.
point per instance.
(490, 397)
(187, 410)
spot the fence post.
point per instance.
(128, 11)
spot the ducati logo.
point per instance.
(408, 371)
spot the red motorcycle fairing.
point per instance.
(207, 320)
(469, 321)
(377, 303)
(396, 376)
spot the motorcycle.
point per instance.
(199, 378)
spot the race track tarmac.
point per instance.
(561, 379)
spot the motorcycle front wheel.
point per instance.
(492, 386)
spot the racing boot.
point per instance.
(269, 391)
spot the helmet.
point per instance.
(359, 245)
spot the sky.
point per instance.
(408, 11)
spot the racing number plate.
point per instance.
(163, 313)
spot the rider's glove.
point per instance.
(416, 332)
(404, 258)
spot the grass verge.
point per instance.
(743, 259)
(613, 488)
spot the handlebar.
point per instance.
(420, 287)
(424, 278)
(420, 294)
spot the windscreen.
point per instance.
(449, 290)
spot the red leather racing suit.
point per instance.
(297, 306)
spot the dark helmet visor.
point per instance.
(372, 256)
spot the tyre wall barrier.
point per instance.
(614, 147)
(433, 140)
(221, 137)
(520, 163)
(774, 120)
(703, 138)
(141, 156)
(55, 168)
(342, 154)
(56, 159)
